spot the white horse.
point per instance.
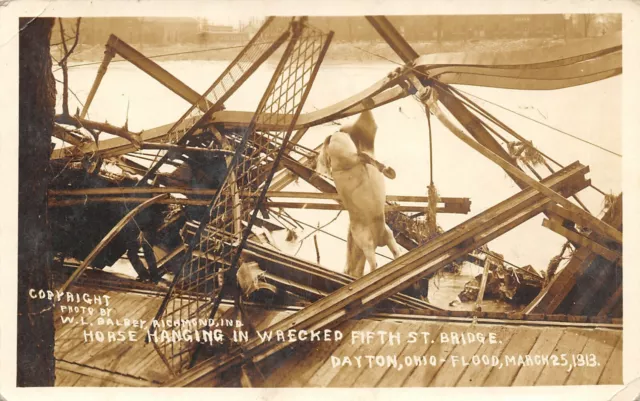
(348, 156)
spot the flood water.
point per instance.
(591, 112)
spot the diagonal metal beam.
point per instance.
(158, 73)
(597, 225)
(474, 126)
(391, 35)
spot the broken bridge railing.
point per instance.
(198, 287)
(398, 274)
(269, 38)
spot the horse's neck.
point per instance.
(364, 147)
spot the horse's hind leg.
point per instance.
(390, 241)
(370, 255)
(363, 239)
(355, 258)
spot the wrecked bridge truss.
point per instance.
(231, 167)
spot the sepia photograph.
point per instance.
(255, 200)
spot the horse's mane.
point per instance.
(323, 161)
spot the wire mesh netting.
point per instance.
(215, 249)
(259, 48)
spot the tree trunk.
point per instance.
(37, 107)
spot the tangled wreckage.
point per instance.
(196, 225)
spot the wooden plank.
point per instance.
(60, 328)
(304, 291)
(79, 289)
(346, 375)
(70, 337)
(422, 376)
(572, 342)
(106, 355)
(150, 366)
(561, 285)
(556, 226)
(64, 378)
(612, 372)
(569, 215)
(483, 283)
(476, 375)
(305, 360)
(449, 375)
(370, 377)
(611, 302)
(598, 278)
(395, 377)
(133, 352)
(262, 319)
(315, 276)
(545, 344)
(601, 344)
(101, 374)
(126, 361)
(327, 372)
(89, 381)
(99, 355)
(548, 300)
(521, 343)
(591, 290)
(73, 335)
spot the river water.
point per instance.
(591, 112)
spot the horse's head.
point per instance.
(363, 132)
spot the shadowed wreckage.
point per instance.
(199, 211)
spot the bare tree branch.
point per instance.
(66, 117)
(89, 125)
(63, 63)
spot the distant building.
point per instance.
(144, 31)
(221, 33)
(166, 31)
(470, 27)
